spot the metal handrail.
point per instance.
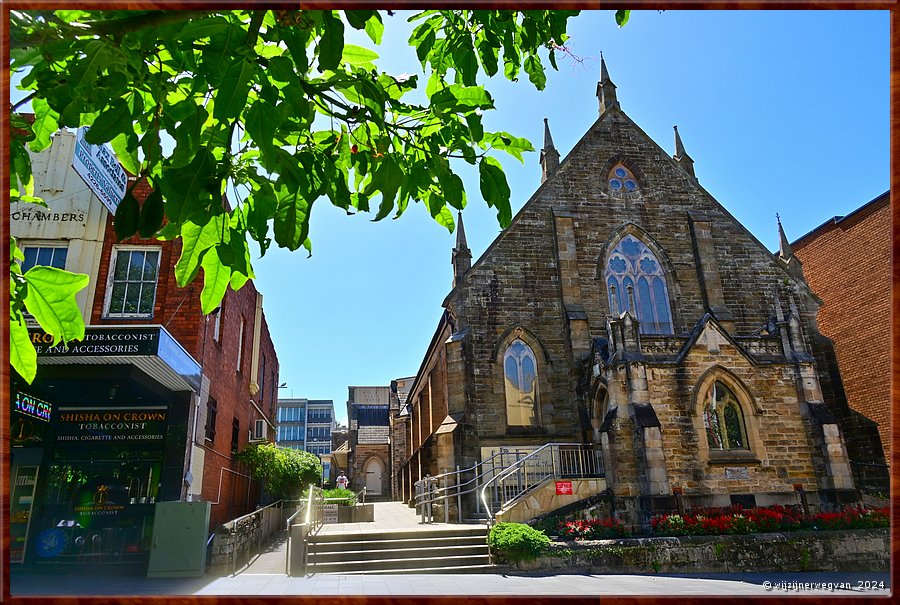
(557, 468)
(230, 525)
(427, 495)
(313, 507)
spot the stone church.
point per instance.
(625, 308)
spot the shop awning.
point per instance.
(149, 348)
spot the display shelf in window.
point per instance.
(21, 501)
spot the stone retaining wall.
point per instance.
(853, 550)
(226, 542)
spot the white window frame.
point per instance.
(240, 346)
(259, 430)
(114, 254)
(217, 325)
(45, 243)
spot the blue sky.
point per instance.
(782, 111)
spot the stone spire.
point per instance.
(681, 156)
(786, 254)
(606, 90)
(549, 155)
(462, 256)
(784, 249)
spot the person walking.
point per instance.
(342, 482)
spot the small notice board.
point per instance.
(330, 513)
(563, 488)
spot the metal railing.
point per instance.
(454, 485)
(550, 461)
(311, 514)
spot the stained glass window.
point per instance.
(622, 179)
(520, 372)
(724, 420)
(632, 262)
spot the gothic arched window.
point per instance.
(621, 180)
(520, 379)
(635, 281)
(724, 420)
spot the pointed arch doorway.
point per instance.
(374, 470)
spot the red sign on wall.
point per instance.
(563, 488)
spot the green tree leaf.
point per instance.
(111, 122)
(331, 44)
(51, 300)
(495, 189)
(152, 214)
(196, 240)
(216, 278)
(127, 217)
(45, 124)
(22, 356)
(356, 55)
(232, 94)
(622, 17)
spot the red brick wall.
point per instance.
(178, 310)
(848, 265)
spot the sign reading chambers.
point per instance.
(111, 424)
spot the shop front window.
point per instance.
(97, 510)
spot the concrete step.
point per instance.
(428, 570)
(455, 531)
(421, 562)
(410, 544)
(397, 553)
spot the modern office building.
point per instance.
(290, 423)
(306, 424)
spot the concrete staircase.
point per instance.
(461, 549)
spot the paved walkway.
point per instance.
(265, 576)
(390, 516)
(450, 584)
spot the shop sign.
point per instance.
(330, 513)
(98, 167)
(32, 407)
(111, 424)
(563, 488)
(120, 341)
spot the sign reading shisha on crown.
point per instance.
(121, 424)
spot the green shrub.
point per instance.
(517, 541)
(284, 472)
(550, 525)
(347, 496)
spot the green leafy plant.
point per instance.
(347, 497)
(284, 472)
(517, 541)
(270, 111)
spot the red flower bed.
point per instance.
(738, 520)
(593, 529)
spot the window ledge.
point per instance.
(725, 457)
(526, 430)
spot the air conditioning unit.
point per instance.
(259, 430)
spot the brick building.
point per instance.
(202, 386)
(832, 255)
(625, 309)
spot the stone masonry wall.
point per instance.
(862, 550)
